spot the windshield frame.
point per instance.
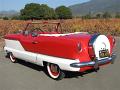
(58, 25)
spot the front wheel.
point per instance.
(12, 58)
(55, 72)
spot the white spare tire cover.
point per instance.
(101, 43)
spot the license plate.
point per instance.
(104, 53)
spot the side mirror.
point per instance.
(26, 33)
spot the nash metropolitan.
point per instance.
(44, 44)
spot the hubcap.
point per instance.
(53, 70)
(12, 58)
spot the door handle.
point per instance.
(35, 42)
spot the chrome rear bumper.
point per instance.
(95, 63)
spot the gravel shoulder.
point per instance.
(1, 44)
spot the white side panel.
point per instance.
(18, 51)
(64, 64)
(14, 44)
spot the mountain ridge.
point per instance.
(95, 6)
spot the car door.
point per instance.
(28, 44)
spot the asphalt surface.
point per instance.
(26, 76)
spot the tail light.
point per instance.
(79, 47)
(113, 41)
(91, 52)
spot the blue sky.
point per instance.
(19, 4)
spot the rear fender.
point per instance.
(112, 42)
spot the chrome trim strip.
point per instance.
(95, 63)
(92, 40)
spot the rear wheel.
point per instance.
(55, 72)
(12, 58)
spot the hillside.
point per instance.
(96, 6)
(8, 13)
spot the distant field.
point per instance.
(108, 26)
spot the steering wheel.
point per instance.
(37, 30)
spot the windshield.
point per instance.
(44, 27)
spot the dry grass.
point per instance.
(103, 26)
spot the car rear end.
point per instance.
(95, 52)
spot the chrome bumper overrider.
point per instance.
(95, 63)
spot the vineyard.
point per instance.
(103, 26)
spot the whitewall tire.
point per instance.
(54, 71)
(12, 58)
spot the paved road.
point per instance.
(25, 76)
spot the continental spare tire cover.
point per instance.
(101, 43)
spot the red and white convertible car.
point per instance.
(44, 44)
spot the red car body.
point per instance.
(79, 47)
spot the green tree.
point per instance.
(37, 11)
(5, 18)
(107, 15)
(46, 12)
(98, 15)
(30, 11)
(63, 12)
(15, 18)
(117, 15)
(87, 16)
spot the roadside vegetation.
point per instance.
(103, 26)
